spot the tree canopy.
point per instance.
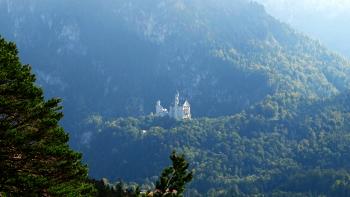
(35, 158)
(174, 178)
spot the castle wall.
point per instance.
(178, 112)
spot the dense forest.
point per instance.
(306, 153)
(224, 56)
(270, 105)
(35, 159)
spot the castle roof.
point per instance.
(186, 103)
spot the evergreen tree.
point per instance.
(35, 159)
(174, 178)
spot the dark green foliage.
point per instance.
(172, 182)
(328, 182)
(106, 189)
(228, 57)
(302, 150)
(35, 159)
(174, 178)
(222, 61)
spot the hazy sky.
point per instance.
(318, 4)
(325, 20)
(331, 8)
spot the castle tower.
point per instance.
(160, 110)
(177, 111)
(177, 99)
(158, 107)
(186, 108)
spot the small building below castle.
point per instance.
(177, 111)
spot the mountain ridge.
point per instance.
(199, 52)
(270, 104)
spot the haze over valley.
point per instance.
(253, 97)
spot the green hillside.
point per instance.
(224, 56)
(270, 105)
(242, 155)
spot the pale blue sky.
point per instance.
(325, 20)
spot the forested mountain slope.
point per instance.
(222, 55)
(35, 159)
(305, 154)
(277, 99)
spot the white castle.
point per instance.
(177, 111)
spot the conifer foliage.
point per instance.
(174, 178)
(35, 159)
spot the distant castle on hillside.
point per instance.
(177, 111)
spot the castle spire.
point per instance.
(177, 100)
(179, 112)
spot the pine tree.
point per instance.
(35, 159)
(173, 179)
